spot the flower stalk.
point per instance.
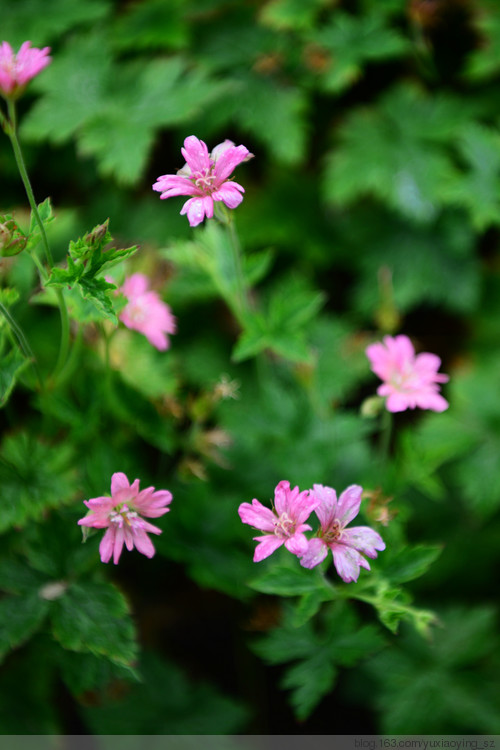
(11, 131)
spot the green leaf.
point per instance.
(45, 21)
(428, 690)
(151, 25)
(478, 189)
(20, 618)
(35, 476)
(397, 152)
(87, 258)
(73, 93)
(166, 702)
(353, 41)
(335, 639)
(85, 671)
(11, 367)
(95, 617)
(290, 14)
(291, 581)
(409, 563)
(309, 681)
(289, 307)
(144, 98)
(483, 62)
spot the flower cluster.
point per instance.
(409, 380)
(286, 525)
(16, 70)
(146, 312)
(206, 177)
(121, 516)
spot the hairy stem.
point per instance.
(12, 133)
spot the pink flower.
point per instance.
(121, 515)
(283, 526)
(409, 380)
(146, 312)
(345, 544)
(205, 177)
(17, 70)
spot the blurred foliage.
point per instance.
(371, 207)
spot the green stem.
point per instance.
(240, 303)
(385, 435)
(12, 133)
(241, 292)
(22, 341)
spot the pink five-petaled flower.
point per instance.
(409, 380)
(17, 69)
(345, 544)
(146, 312)
(205, 177)
(121, 514)
(285, 525)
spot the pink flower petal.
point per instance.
(316, 552)
(119, 481)
(195, 153)
(349, 503)
(107, 545)
(364, 540)
(257, 515)
(267, 545)
(347, 562)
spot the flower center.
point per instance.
(123, 516)
(284, 526)
(334, 532)
(204, 180)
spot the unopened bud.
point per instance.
(372, 406)
(12, 240)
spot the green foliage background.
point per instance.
(372, 206)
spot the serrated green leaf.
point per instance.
(73, 93)
(18, 578)
(94, 617)
(11, 367)
(410, 562)
(45, 22)
(310, 680)
(86, 671)
(352, 42)
(477, 190)
(291, 581)
(395, 152)
(143, 99)
(334, 639)
(20, 618)
(34, 476)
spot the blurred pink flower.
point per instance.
(17, 69)
(120, 515)
(205, 177)
(409, 381)
(345, 544)
(146, 312)
(283, 526)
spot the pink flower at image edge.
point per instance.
(146, 312)
(410, 380)
(205, 177)
(285, 525)
(347, 545)
(16, 70)
(121, 516)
